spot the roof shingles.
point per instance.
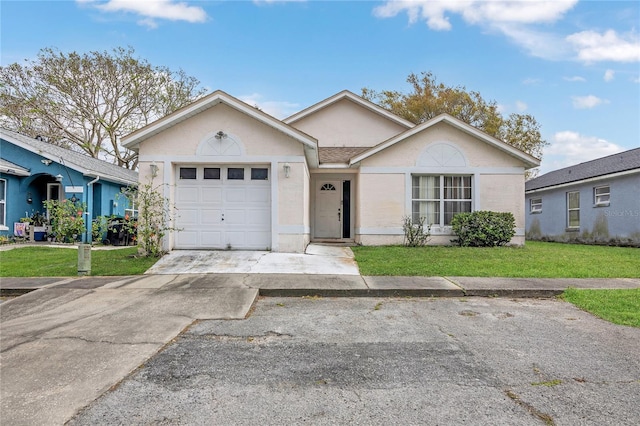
(616, 163)
(76, 160)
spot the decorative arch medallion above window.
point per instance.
(441, 155)
(221, 143)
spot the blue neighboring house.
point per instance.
(597, 201)
(33, 171)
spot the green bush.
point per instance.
(483, 228)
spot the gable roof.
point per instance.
(133, 139)
(529, 160)
(616, 163)
(345, 94)
(74, 160)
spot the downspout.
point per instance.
(89, 220)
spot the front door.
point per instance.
(328, 219)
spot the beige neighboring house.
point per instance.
(342, 170)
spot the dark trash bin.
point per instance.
(117, 234)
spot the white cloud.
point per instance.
(521, 106)
(531, 81)
(517, 20)
(434, 12)
(587, 102)
(592, 46)
(505, 16)
(576, 78)
(150, 10)
(568, 148)
(635, 79)
(609, 75)
(277, 109)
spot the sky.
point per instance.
(573, 65)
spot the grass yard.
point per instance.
(63, 262)
(535, 260)
(617, 306)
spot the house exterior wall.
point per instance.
(73, 183)
(617, 222)
(345, 124)
(255, 143)
(386, 183)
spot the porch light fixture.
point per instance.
(220, 135)
(29, 198)
(46, 161)
(74, 198)
(154, 170)
(287, 169)
(59, 178)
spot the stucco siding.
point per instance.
(346, 124)
(620, 220)
(407, 153)
(254, 137)
(380, 203)
(294, 230)
(503, 193)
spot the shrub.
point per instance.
(483, 228)
(67, 221)
(415, 234)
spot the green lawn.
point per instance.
(62, 262)
(535, 260)
(617, 306)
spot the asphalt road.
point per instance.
(476, 361)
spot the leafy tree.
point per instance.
(88, 101)
(428, 98)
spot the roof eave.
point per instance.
(133, 140)
(529, 161)
(345, 94)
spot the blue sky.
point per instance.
(574, 65)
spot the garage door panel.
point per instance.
(202, 204)
(259, 217)
(235, 195)
(187, 195)
(258, 195)
(211, 195)
(187, 239)
(211, 239)
(210, 216)
(235, 217)
(187, 217)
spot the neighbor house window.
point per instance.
(3, 204)
(439, 198)
(573, 209)
(132, 211)
(601, 196)
(187, 172)
(535, 205)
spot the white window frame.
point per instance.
(603, 198)
(3, 206)
(535, 205)
(441, 200)
(572, 209)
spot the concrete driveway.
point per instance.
(317, 260)
(64, 346)
(372, 361)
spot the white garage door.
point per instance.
(223, 207)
